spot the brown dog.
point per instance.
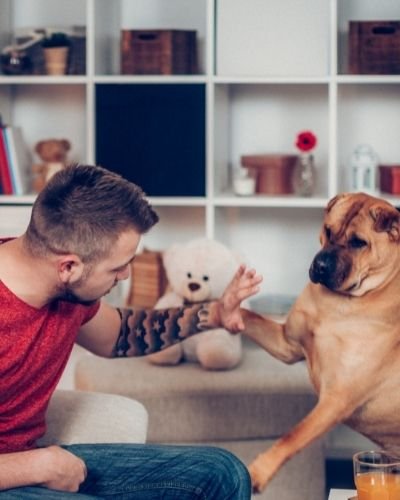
(346, 325)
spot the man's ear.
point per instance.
(386, 219)
(70, 268)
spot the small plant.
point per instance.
(56, 40)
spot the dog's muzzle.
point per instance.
(329, 269)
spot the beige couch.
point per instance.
(82, 417)
(243, 410)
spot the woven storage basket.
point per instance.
(148, 279)
(374, 47)
(158, 52)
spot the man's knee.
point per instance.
(231, 473)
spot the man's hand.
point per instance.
(243, 285)
(63, 470)
(52, 467)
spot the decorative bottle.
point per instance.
(303, 179)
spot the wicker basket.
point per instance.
(148, 279)
(374, 47)
(158, 52)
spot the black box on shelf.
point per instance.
(374, 47)
(77, 50)
(158, 52)
(153, 135)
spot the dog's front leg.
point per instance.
(272, 337)
(328, 412)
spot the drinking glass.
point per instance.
(376, 475)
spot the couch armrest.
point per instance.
(85, 417)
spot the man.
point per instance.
(85, 227)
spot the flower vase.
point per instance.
(56, 60)
(303, 180)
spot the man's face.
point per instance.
(98, 279)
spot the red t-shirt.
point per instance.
(34, 348)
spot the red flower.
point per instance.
(306, 141)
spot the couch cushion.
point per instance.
(301, 478)
(261, 398)
(82, 417)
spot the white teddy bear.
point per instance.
(199, 271)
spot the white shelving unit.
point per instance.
(269, 68)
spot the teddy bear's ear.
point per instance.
(39, 146)
(169, 254)
(65, 144)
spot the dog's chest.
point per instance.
(377, 417)
(378, 420)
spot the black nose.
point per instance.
(323, 267)
(193, 286)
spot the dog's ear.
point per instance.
(386, 219)
(341, 198)
(334, 200)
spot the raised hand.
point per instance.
(244, 284)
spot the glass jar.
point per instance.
(244, 184)
(303, 180)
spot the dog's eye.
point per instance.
(205, 278)
(356, 242)
(189, 275)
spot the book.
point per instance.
(5, 175)
(18, 159)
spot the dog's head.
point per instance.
(360, 240)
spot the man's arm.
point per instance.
(52, 467)
(129, 332)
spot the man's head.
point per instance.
(87, 216)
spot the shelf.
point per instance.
(288, 201)
(148, 79)
(43, 80)
(257, 201)
(25, 200)
(158, 201)
(231, 80)
(368, 79)
(271, 80)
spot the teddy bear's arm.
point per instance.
(144, 331)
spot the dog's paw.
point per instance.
(259, 475)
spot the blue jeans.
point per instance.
(150, 472)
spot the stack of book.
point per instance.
(15, 162)
(148, 279)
